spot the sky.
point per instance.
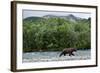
(30, 13)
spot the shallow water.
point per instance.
(54, 56)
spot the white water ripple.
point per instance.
(54, 56)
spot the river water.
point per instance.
(54, 56)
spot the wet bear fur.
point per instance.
(68, 51)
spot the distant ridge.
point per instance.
(70, 17)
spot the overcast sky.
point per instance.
(30, 13)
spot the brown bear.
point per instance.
(68, 51)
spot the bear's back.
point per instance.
(69, 49)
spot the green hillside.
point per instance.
(56, 33)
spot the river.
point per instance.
(54, 56)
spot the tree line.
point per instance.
(55, 34)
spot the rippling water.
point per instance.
(54, 56)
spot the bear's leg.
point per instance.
(61, 54)
(64, 54)
(72, 54)
(69, 54)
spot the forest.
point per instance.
(54, 33)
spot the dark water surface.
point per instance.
(54, 56)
